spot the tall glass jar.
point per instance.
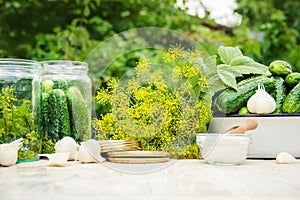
(20, 104)
(66, 101)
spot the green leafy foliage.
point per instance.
(76, 27)
(235, 64)
(275, 29)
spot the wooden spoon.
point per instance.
(250, 124)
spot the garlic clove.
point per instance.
(285, 158)
(58, 159)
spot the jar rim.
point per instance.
(71, 64)
(18, 62)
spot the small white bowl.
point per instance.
(223, 149)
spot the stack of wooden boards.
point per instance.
(129, 151)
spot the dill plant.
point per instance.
(162, 107)
(17, 121)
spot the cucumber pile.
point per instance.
(64, 111)
(283, 85)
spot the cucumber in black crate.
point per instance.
(279, 93)
(292, 79)
(231, 101)
(291, 103)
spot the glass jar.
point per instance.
(66, 101)
(20, 105)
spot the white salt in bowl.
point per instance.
(223, 149)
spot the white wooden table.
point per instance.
(180, 179)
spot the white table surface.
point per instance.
(180, 179)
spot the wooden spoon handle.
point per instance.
(230, 129)
(250, 124)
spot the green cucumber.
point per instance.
(79, 115)
(244, 110)
(59, 119)
(231, 101)
(292, 79)
(60, 84)
(279, 93)
(280, 68)
(47, 86)
(291, 103)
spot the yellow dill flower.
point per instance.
(170, 56)
(158, 80)
(132, 85)
(120, 99)
(103, 96)
(183, 91)
(142, 68)
(109, 118)
(161, 86)
(106, 125)
(189, 71)
(176, 73)
(113, 84)
(174, 53)
(7, 97)
(205, 115)
(139, 111)
(202, 82)
(140, 93)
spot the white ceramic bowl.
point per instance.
(230, 149)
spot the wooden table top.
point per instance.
(176, 179)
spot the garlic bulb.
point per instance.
(261, 102)
(67, 145)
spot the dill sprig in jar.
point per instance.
(20, 105)
(66, 100)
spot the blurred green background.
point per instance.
(71, 29)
